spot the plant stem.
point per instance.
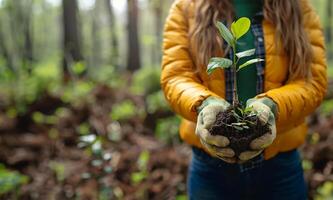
(235, 100)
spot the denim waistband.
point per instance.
(249, 165)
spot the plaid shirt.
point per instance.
(257, 31)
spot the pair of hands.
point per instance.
(217, 145)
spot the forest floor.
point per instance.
(76, 151)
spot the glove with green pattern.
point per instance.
(216, 145)
(266, 110)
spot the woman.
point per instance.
(286, 88)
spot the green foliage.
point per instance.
(167, 129)
(143, 160)
(307, 165)
(246, 53)
(249, 62)
(325, 192)
(240, 27)
(225, 33)
(76, 91)
(5, 73)
(83, 129)
(107, 75)
(181, 197)
(216, 62)
(40, 118)
(53, 134)
(10, 180)
(123, 111)
(138, 177)
(156, 102)
(79, 68)
(314, 138)
(11, 112)
(146, 81)
(330, 69)
(23, 88)
(59, 169)
(142, 163)
(326, 107)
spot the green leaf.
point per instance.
(240, 110)
(79, 68)
(225, 33)
(246, 53)
(240, 27)
(143, 160)
(138, 177)
(249, 62)
(238, 124)
(217, 62)
(10, 181)
(248, 109)
(238, 128)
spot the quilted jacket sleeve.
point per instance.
(180, 84)
(297, 99)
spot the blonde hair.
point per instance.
(286, 15)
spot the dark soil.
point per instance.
(239, 139)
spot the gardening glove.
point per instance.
(216, 145)
(266, 111)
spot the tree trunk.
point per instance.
(71, 36)
(28, 43)
(114, 37)
(5, 52)
(133, 51)
(96, 35)
(157, 6)
(15, 33)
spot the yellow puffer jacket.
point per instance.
(185, 89)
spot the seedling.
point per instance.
(240, 125)
(238, 29)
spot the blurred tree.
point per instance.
(8, 57)
(16, 32)
(114, 38)
(27, 11)
(157, 7)
(133, 48)
(71, 36)
(96, 34)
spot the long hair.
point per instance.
(285, 15)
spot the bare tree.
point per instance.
(17, 46)
(71, 36)
(28, 43)
(96, 34)
(114, 37)
(157, 8)
(133, 55)
(4, 51)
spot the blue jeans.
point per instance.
(279, 178)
